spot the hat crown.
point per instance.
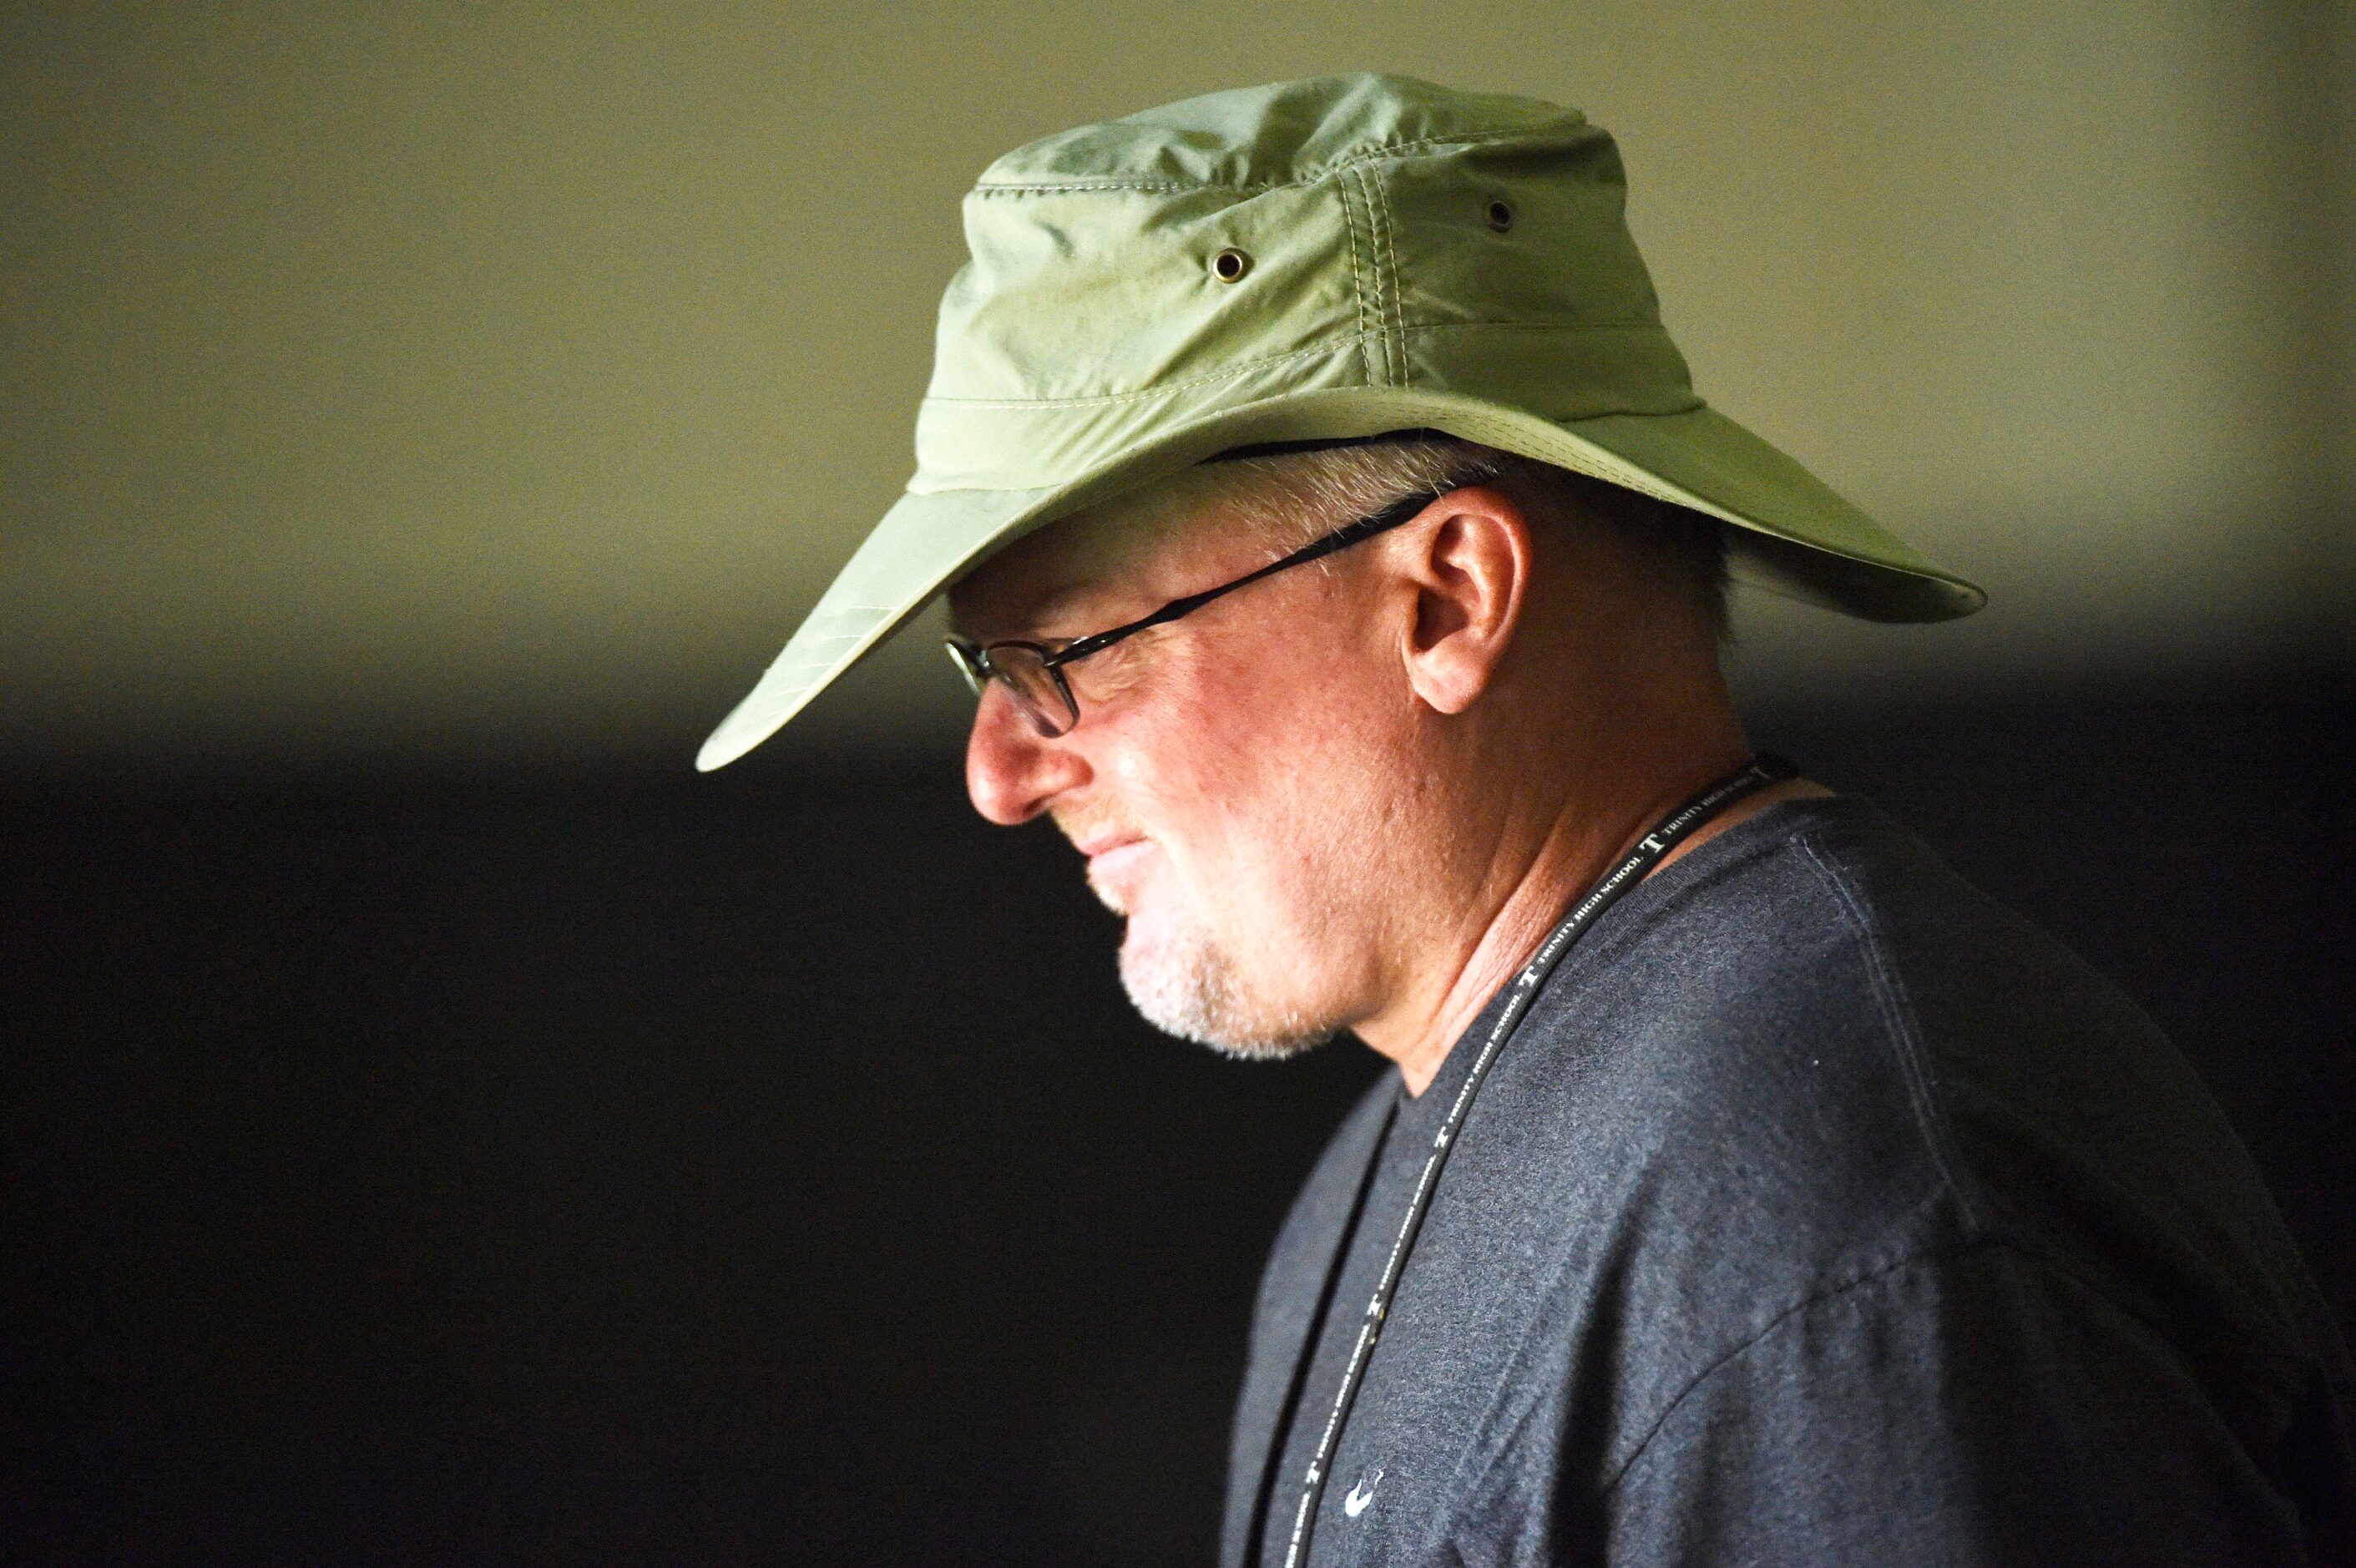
(1279, 134)
(1342, 232)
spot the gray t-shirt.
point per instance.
(1820, 1211)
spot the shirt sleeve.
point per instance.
(1976, 1407)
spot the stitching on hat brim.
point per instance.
(1306, 176)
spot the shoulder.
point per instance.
(1724, 1075)
(1818, 991)
(2065, 1122)
(1971, 1404)
(1812, 1053)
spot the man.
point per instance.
(1339, 551)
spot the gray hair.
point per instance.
(1294, 498)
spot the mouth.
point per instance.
(1108, 855)
(1113, 859)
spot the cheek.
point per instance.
(1280, 757)
(1309, 720)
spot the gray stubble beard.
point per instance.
(1196, 993)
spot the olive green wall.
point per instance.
(492, 379)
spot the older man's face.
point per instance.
(1236, 777)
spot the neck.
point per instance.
(1527, 892)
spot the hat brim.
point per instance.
(1791, 533)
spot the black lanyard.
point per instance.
(1648, 853)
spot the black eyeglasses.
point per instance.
(1034, 671)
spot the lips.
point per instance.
(1113, 858)
(1093, 839)
(1108, 857)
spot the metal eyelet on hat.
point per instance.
(1501, 217)
(1230, 264)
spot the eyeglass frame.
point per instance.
(973, 659)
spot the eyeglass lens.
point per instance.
(1036, 691)
(1024, 672)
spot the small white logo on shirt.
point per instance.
(1363, 1494)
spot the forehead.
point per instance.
(1142, 550)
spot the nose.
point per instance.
(1011, 771)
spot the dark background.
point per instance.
(604, 1164)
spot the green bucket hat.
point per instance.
(1312, 260)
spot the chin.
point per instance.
(1187, 984)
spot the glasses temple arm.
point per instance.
(1390, 516)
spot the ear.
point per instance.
(1472, 575)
